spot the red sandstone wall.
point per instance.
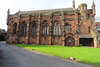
(12, 39)
(98, 26)
(23, 39)
(69, 18)
(33, 40)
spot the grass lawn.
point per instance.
(81, 54)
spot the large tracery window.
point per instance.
(45, 29)
(15, 28)
(34, 29)
(56, 28)
(24, 29)
(67, 27)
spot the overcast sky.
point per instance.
(27, 5)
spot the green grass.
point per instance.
(81, 54)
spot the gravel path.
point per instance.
(18, 57)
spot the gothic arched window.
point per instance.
(34, 29)
(67, 27)
(45, 29)
(24, 29)
(15, 28)
(56, 28)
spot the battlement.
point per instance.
(83, 4)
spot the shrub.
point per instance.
(78, 45)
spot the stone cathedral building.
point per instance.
(66, 27)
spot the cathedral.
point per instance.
(65, 27)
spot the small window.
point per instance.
(96, 25)
(67, 27)
(89, 29)
(88, 15)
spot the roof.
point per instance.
(97, 19)
(2, 31)
(42, 11)
(97, 22)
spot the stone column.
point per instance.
(62, 21)
(18, 25)
(77, 29)
(7, 22)
(28, 26)
(8, 14)
(95, 42)
(18, 28)
(50, 29)
(38, 32)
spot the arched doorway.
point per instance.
(69, 41)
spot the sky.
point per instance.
(27, 5)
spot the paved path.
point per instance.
(18, 57)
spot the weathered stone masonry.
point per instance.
(66, 27)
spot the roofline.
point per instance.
(49, 9)
(97, 22)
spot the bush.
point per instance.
(2, 38)
(78, 45)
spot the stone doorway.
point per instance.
(86, 41)
(69, 41)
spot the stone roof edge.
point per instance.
(97, 22)
(47, 10)
(44, 11)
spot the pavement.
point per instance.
(18, 57)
